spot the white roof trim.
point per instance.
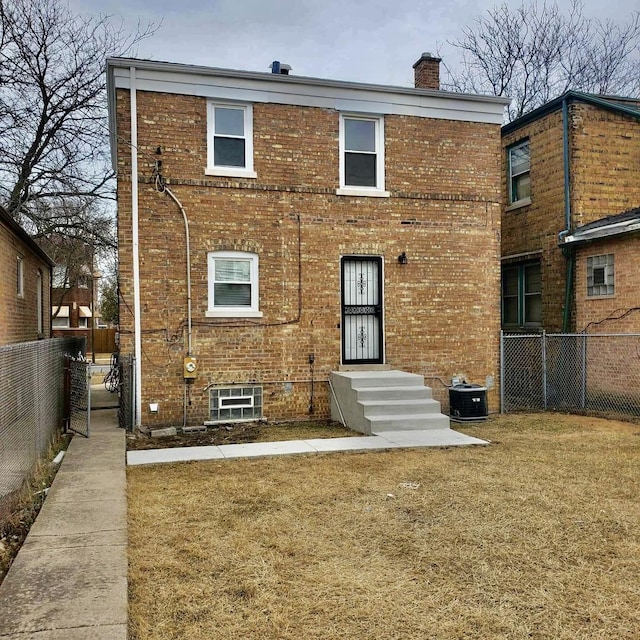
(224, 84)
(603, 232)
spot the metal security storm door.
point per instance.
(362, 334)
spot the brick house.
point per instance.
(331, 225)
(25, 285)
(570, 187)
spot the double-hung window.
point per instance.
(233, 284)
(522, 295)
(600, 276)
(362, 156)
(230, 140)
(519, 178)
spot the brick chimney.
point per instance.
(427, 72)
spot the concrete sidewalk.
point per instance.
(69, 580)
(385, 440)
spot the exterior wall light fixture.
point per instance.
(402, 258)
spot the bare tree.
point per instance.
(54, 172)
(535, 52)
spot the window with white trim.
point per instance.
(519, 166)
(20, 277)
(39, 302)
(361, 156)
(600, 276)
(233, 284)
(230, 140)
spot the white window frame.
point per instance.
(512, 175)
(83, 323)
(350, 190)
(233, 172)
(609, 267)
(55, 324)
(39, 302)
(19, 276)
(251, 311)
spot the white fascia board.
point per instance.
(363, 99)
(604, 232)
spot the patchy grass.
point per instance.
(536, 536)
(18, 510)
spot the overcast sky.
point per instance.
(361, 40)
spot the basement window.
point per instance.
(230, 140)
(228, 404)
(600, 276)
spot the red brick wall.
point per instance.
(19, 315)
(604, 157)
(441, 309)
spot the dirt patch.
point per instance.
(241, 432)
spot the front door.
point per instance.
(362, 336)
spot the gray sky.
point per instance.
(361, 40)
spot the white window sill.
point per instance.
(519, 204)
(234, 313)
(230, 172)
(605, 296)
(366, 193)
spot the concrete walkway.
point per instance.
(69, 580)
(384, 440)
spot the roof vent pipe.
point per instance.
(280, 68)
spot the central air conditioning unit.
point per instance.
(468, 402)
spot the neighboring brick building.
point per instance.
(570, 163)
(607, 291)
(302, 196)
(25, 284)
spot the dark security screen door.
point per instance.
(361, 310)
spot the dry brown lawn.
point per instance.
(536, 536)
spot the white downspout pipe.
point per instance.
(137, 331)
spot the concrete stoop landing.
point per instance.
(377, 402)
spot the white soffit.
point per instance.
(355, 99)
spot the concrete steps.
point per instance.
(379, 401)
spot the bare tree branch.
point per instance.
(535, 52)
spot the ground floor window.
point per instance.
(522, 295)
(600, 276)
(235, 403)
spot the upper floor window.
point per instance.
(362, 156)
(20, 277)
(230, 140)
(600, 276)
(522, 295)
(233, 284)
(519, 165)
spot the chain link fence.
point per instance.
(78, 371)
(126, 390)
(31, 403)
(577, 373)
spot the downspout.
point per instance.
(566, 251)
(137, 331)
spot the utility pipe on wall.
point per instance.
(567, 217)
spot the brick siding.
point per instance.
(441, 309)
